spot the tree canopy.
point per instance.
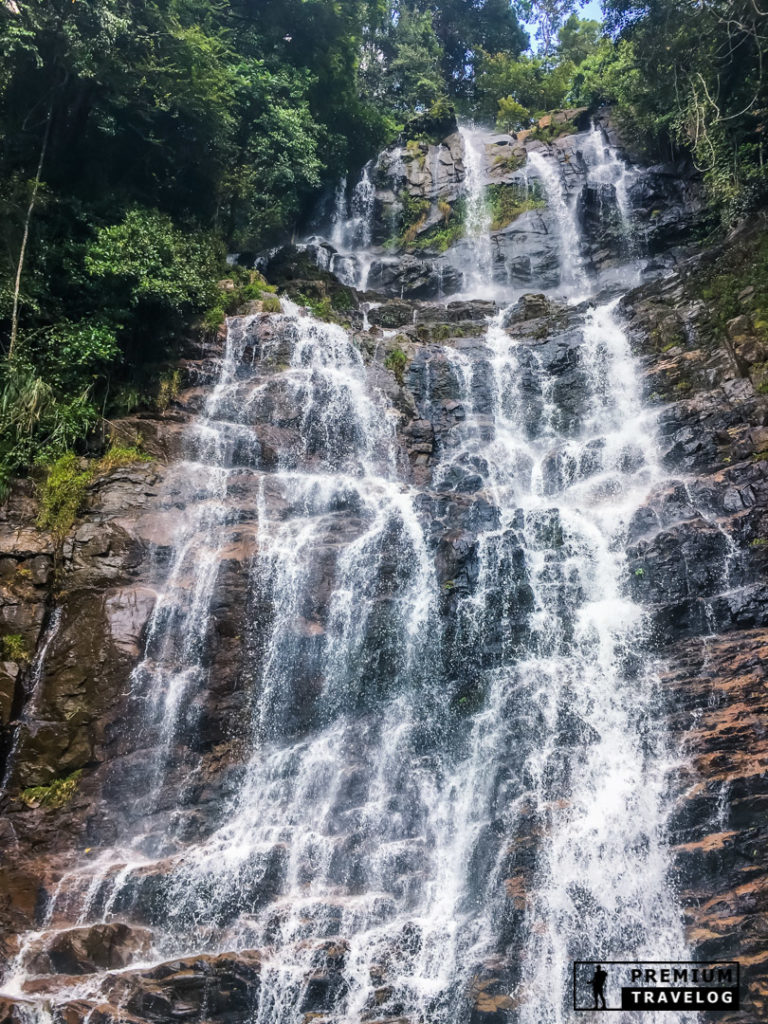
(145, 138)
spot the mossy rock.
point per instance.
(434, 124)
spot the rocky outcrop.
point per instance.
(90, 628)
(412, 236)
(698, 560)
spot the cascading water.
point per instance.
(352, 230)
(477, 265)
(572, 277)
(607, 168)
(447, 783)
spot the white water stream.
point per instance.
(434, 795)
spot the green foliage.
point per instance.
(149, 261)
(271, 304)
(578, 39)
(414, 79)
(414, 216)
(320, 308)
(62, 495)
(66, 482)
(691, 77)
(14, 647)
(170, 133)
(38, 422)
(445, 233)
(168, 389)
(736, 283)
(119, 455)
(397, 361)
(511, 115)
(532, 82)
(55, 794)
(508, 201)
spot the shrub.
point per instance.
(62, 495)
(118, 455)
(168, 389)
(271, 304)
(153, 262)
(55, 794)
(14, 647)
(396, 361)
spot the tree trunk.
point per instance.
(25, 236)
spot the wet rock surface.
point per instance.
(87, 611)
(697, 560)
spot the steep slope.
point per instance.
(425, 656)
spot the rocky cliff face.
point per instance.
(322, 635)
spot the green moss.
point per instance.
(397, 361)
(507, 202)
(468, 700)
(509, 164)
(553, 131)
(14, 647)
(66, 482)
(168, 389)
(342, 300)
(759, 542)
(321, 309)
(721, 282)
(56, 794)
(118, 455)
(440, 237)
(62, 494)
(249, 286)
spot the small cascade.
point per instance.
(572, 276)
(352, 231)
(33, 693)
(476, 265)
(605, 167)
(444, 776)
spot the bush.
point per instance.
(14, 647)
(396, 361)
(55, 794)
(118, 455)
(149, 261)
(62, 495)
(168, 389)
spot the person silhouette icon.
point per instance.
(598, 986)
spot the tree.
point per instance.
(511, 115)
(549, 16)
(578, 39)
(467, 29)
(413, 78)
(531, 81)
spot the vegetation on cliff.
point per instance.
(145, 140)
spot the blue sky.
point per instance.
(591, 9)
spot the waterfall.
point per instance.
(352, 230)
(448, 779)
(572, 277)
(606, 167)
(477, 263)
